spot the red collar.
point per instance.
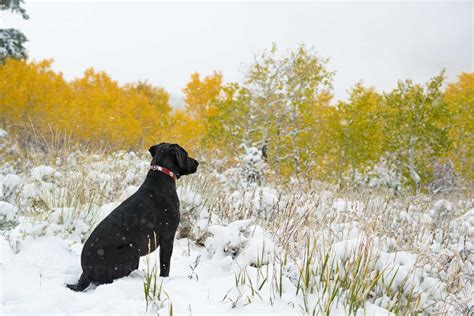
(164, 170)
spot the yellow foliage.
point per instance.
(94, 108)
(200, 95)
(292, 121)
(31, 93)
(460, 99)
(201, 98)
(361, 137)
(185, 131)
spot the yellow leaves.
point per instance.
(460, 99)
(154, 96)
(460, 95)
(200, 95)
(95, 108)
(293, 120)
(360, 130)
(201, 98)
(186, 131)
(30, 91)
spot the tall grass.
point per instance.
(66, 198)
(305, 224)
(155, 294)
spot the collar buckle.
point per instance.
(164, 170)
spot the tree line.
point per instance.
(284, 106)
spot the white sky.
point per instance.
(165, 42)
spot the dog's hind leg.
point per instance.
(113, 263)
(125, 261)
(81, 285)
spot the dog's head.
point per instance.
(173, 157)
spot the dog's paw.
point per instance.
(73, 287)
(77, 287)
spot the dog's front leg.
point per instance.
(166, 249)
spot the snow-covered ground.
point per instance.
(240, 249)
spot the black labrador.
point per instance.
(147, 219)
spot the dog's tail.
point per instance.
(81, 285)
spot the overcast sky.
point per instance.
(165, 42)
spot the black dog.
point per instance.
(146, 220)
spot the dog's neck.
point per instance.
(157, 180)
(168, 172)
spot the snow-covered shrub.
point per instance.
(44, 173)
(8, 186)
(68, 223)
(112, 173)
(249, 171)
(68, 209)
(441, 210)
(3, 139)
(384, 174)
(242, 240)
(445, 178)
(8, 214)
(260, 199)
(193, 215)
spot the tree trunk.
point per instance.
(411, 164)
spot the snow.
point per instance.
(242, 240)
(441, 207)
(41, 173)
(8, 183)
(129, 190)
(189, 196)
(262, 199)
(106, 209)
(40, 276)
(229, 250)
(396, 266)
(7, 211)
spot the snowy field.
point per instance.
(302, 249)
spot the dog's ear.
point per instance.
(152, 150)
(180, 155)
